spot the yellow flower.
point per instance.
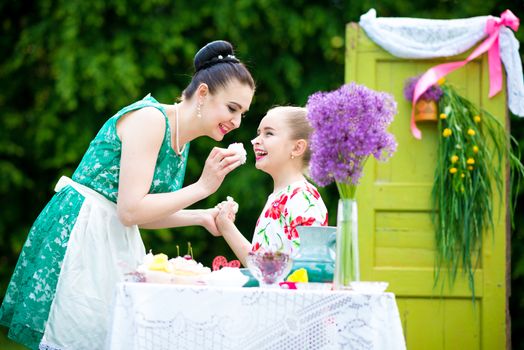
(441, 81)
(454, 159)
(471, 132)
(452, 170)
(446, 132)
(475, 149)
(443, 116)
(462, 175)
(470, 161)
(477, 118)
(470, 167)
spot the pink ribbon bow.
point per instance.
(491, 44)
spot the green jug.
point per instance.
(317, 252)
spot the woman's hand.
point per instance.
(219, 163)
(208, 217)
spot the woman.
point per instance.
(281, 150)
(87, 236)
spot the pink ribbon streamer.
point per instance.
(491, 44)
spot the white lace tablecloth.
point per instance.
(158, 317)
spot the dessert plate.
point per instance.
(227, 277)
(172, 278)
(368, 286)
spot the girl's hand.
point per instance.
(230, 200)
(219, 163)
(226, 215)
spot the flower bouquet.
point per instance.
(472, 148)
(349, 125)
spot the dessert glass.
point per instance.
(269, 268)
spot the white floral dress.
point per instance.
(298, 204)
(77, 250)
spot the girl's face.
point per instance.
(273, 145)
(222, 111)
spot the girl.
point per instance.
(131, 175)
(281, 150)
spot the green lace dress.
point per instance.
(77, 250)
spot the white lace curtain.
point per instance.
(428, 38)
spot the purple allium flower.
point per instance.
(349, 125)
(434, 92)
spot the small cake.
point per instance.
(186, 266)
(180, 270)
(239, 149)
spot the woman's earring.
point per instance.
(292, 157)
(199, 111)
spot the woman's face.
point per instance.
(273, 145)
(222, 111)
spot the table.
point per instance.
(158, 317)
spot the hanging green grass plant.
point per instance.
(472, 149)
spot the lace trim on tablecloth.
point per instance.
(279, 321)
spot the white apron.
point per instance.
(99, 252)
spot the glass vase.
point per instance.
(346, 261)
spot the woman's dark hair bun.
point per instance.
(218, 51)
(216, 65)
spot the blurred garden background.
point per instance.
(68, 65)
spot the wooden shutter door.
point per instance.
(396, 234)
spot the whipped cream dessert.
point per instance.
(187, 266)
(239, 149)
(185, 270)
(227, 276)
(159, 268)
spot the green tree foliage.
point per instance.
(68, 65)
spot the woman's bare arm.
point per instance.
(142, 134)
(188, 217)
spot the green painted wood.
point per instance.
(396, 234)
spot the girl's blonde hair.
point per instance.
(296, 118)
